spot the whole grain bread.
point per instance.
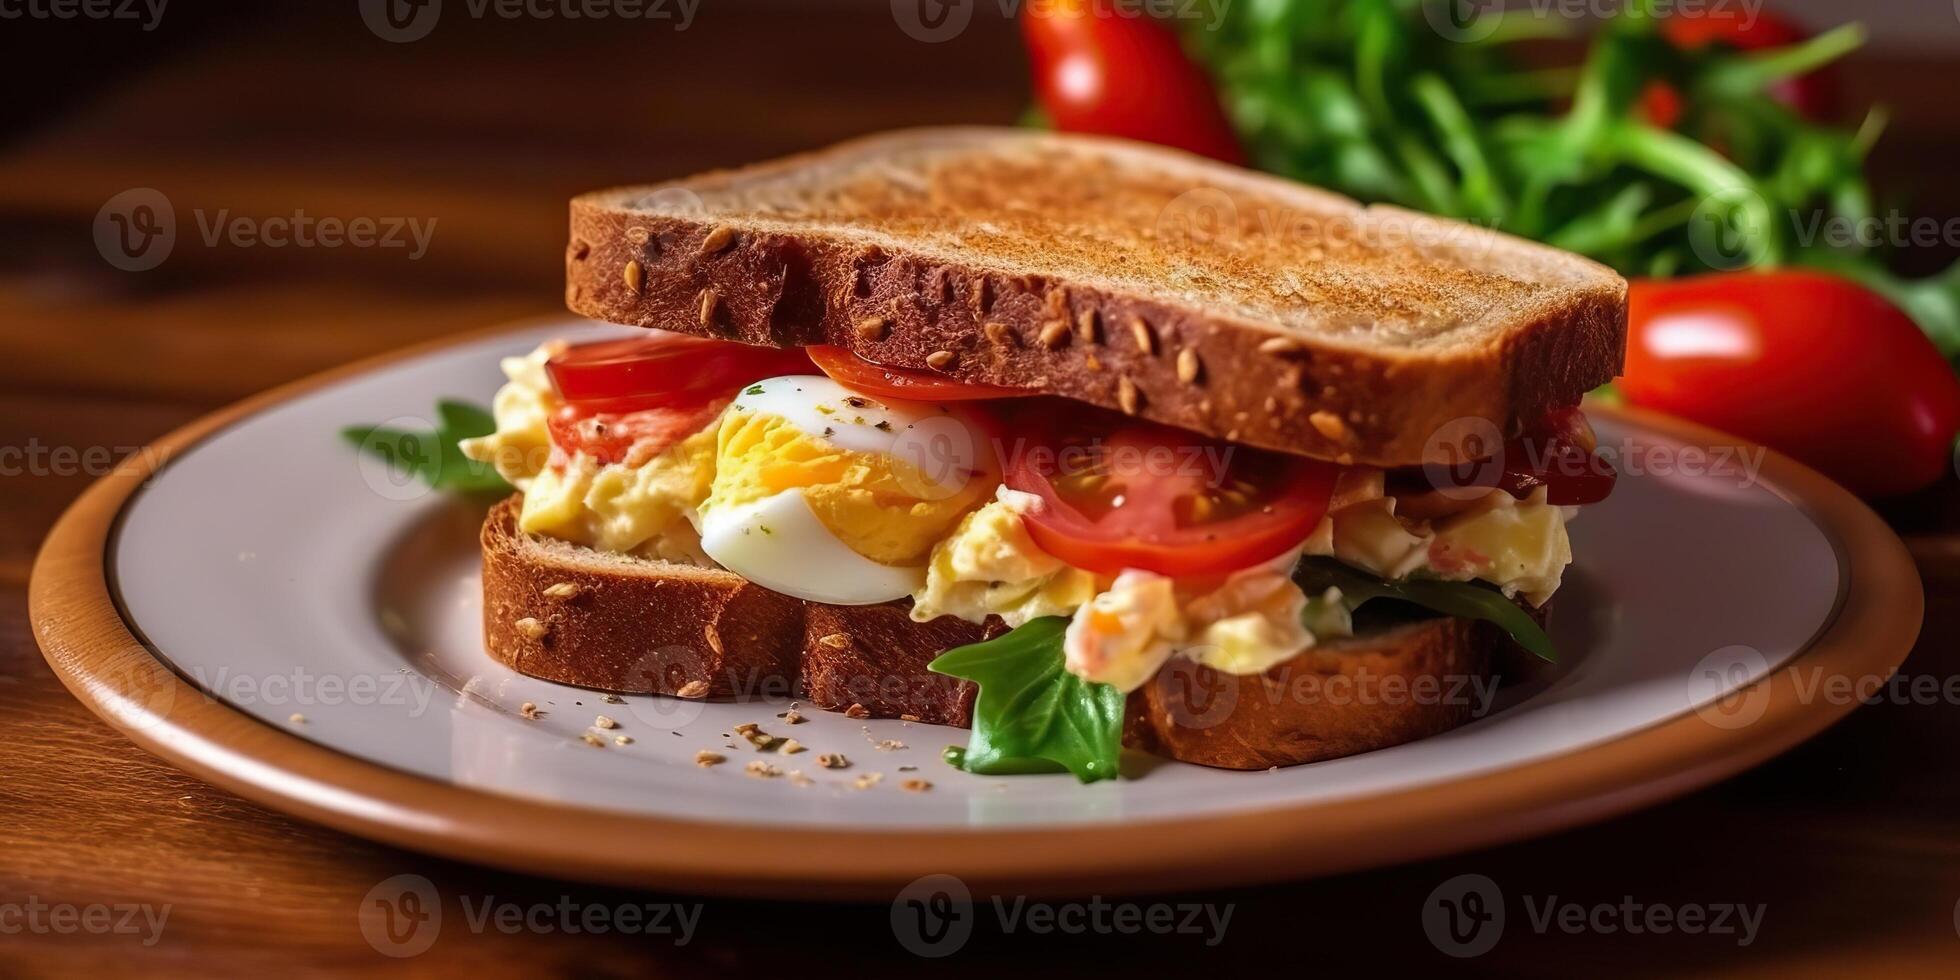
(1134, 277)
(591, 619)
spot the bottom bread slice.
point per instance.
(592, 619)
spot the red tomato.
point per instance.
(631, 437)
(1098, 69)
(853, 371)
(1814, 96)
(629, 399)
(1807, 363)
(1152, 497)
(663, 368)
(1661, 104)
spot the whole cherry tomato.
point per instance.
(1102, 68)
(1807, 363)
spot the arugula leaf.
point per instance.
(432, 456)
(1370, 98)
(1464, 599)
(1032, 715)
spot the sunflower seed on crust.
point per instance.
(717, 240)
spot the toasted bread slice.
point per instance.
(1129, 276)
(616, 623)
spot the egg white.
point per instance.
(778, 543)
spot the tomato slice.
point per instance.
(626, 400)
(663, 369)
(632, 437)
(1156, 498)
(853, 371)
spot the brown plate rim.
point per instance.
(100, 660)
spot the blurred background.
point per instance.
(465, 131)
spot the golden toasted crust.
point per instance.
(1332, 701)
(1133, 277)
(589, 619)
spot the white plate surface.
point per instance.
(280, 574)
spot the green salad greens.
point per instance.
(1395, 101)
(1465, 599)
(1032, 715)
(432, 456)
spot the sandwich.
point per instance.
(1078, 443)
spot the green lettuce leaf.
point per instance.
(1465, 599)
(432, 456)
(1032, 715)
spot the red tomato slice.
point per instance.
(853, 371)
(633, 437)
(1152, 497)
(664, 369)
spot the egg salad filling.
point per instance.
(809, 488)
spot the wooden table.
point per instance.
(487, 126)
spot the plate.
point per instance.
(260, 606)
